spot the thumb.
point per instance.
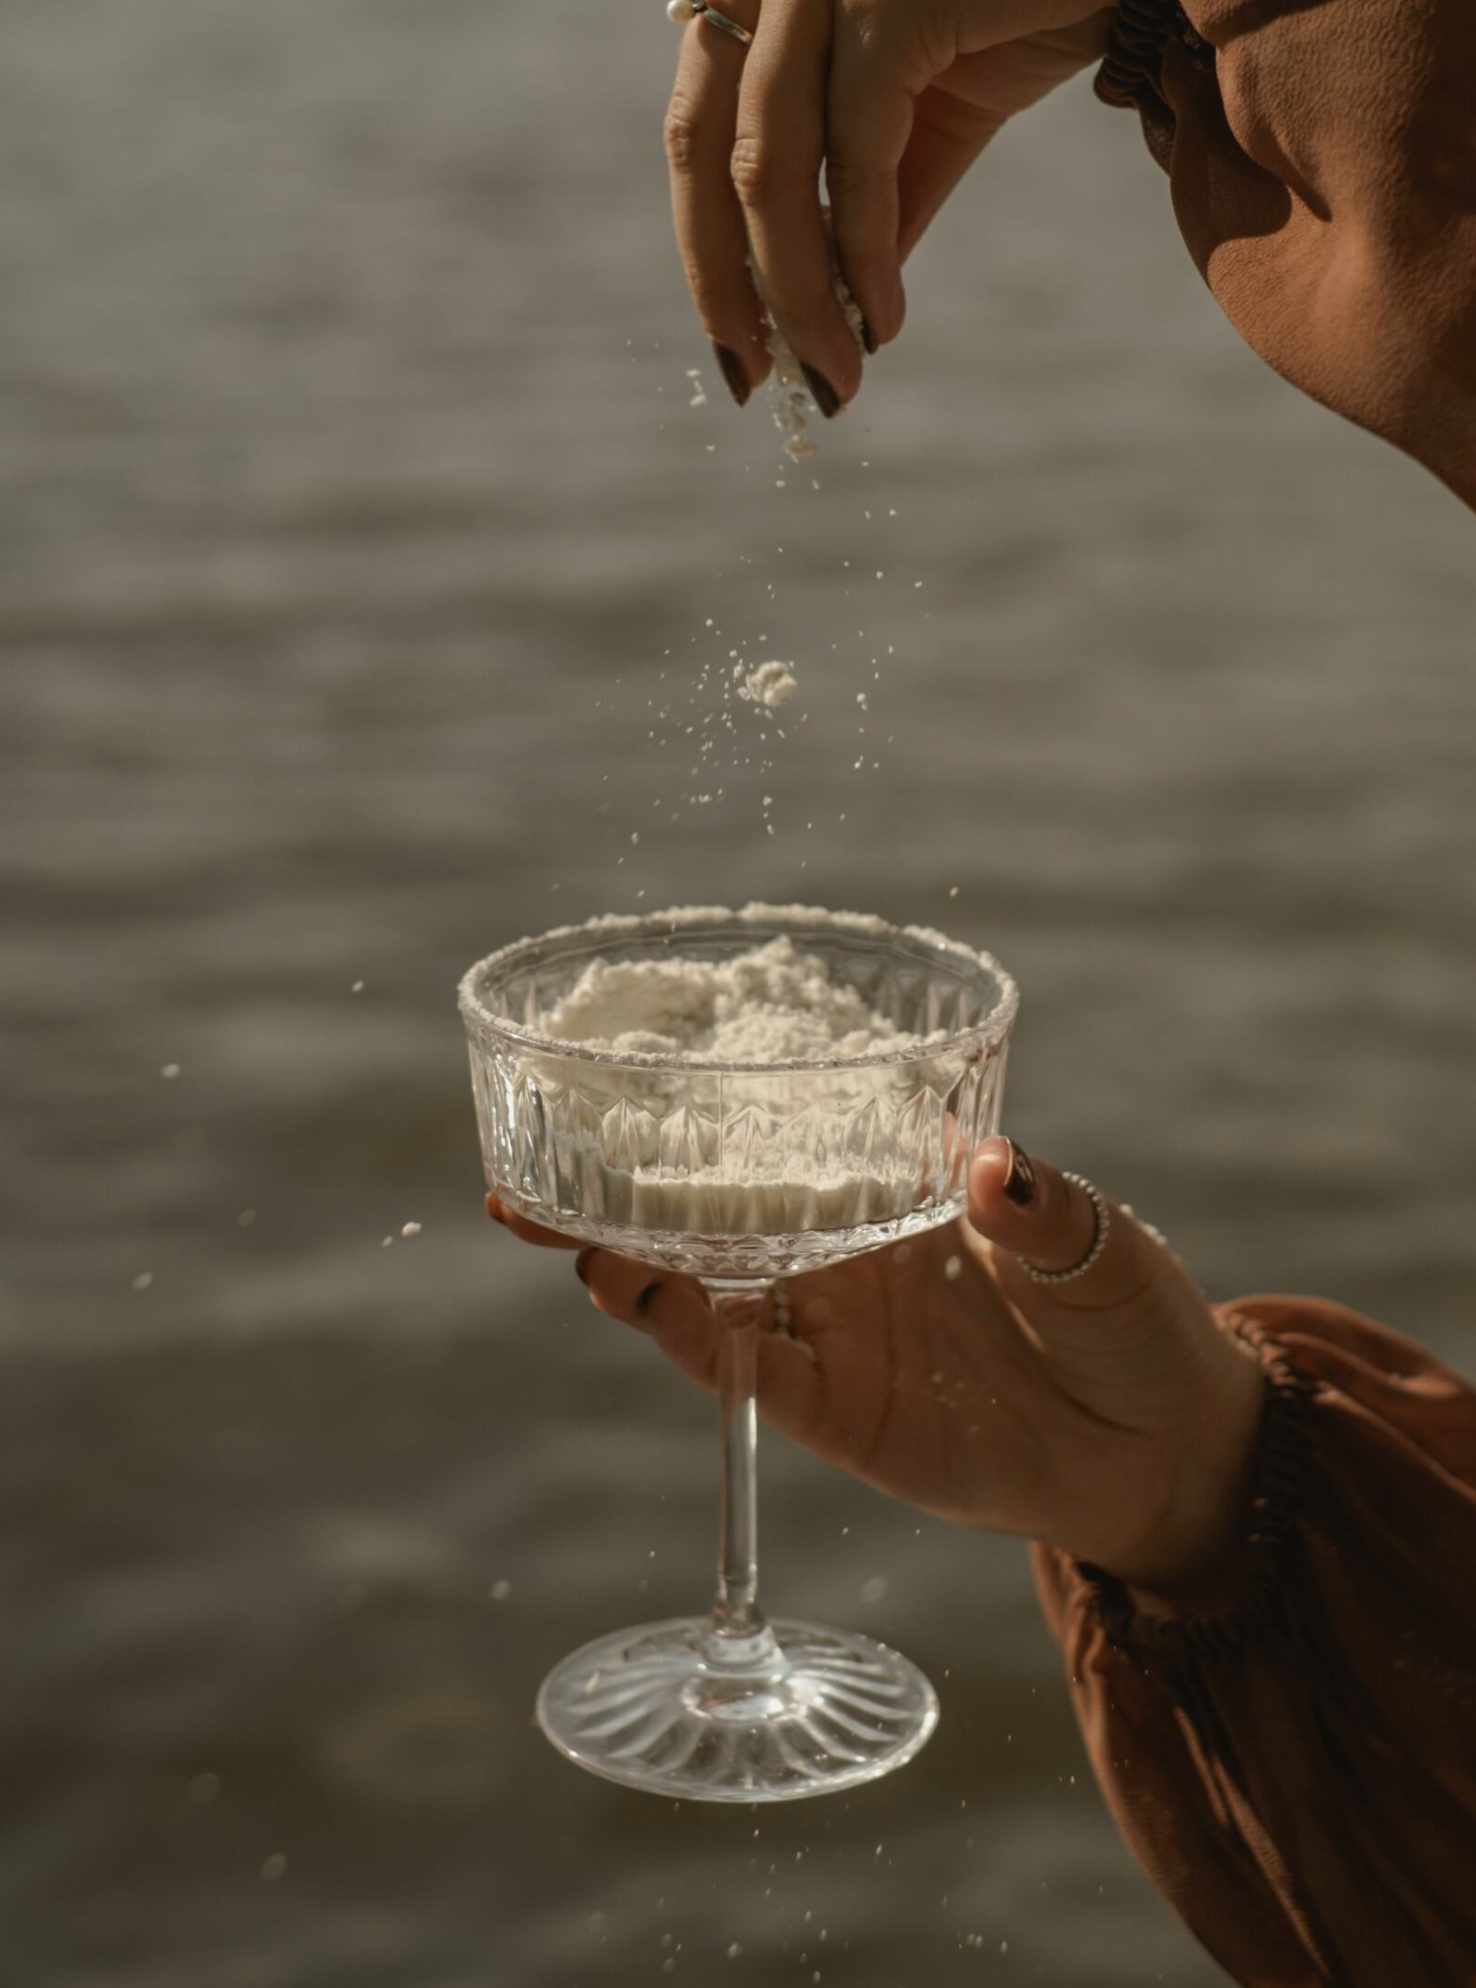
(1036, 1216)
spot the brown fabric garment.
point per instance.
(1322, 159)
(1298, 1774)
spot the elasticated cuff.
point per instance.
(1279, 1474)
(1131, 75)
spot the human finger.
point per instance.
(669, 1309)
(676, 1313)
(778, 150)
(526, 1231)
(701, 119)
(868, 124)
(1036, 1216)
(945, 140)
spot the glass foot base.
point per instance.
(793, 1711)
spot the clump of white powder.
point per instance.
(771, 684)
(772, 1004)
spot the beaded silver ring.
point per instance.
(1099, 1240)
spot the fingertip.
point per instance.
(758, 361)
(495, 1209)
(1004, 1184)
(988, 1168)
(877, 294)
(894, 320)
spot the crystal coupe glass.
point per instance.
(739, 1174)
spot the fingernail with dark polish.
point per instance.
(494, 1209)
(1019, 1183)
(868, 337)
(826, 397)
(732, 371)
(581, 1265)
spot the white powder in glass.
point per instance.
(772, 1004)
(735, 1155)
(771, 684)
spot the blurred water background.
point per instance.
(358, 535)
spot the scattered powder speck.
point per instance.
(143, 1280)
(170, 1070)
(411, 1229)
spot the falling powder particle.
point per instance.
(143, 1280)
(953, 1268)
(202, 1789)
(411, 1229)
(386, 1243)
(500, 1590)
(169, 1070)
(734, 1951)
(861, 700)
(771, 684)
(875, 1589)
(953, 892)
(275, 1867)
(357, 988)
(246, 1219)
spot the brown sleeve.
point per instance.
(1298, 1773)
(1322, 158)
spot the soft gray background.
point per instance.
(352, 502)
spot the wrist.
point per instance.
(1189, 1553)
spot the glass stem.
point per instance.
(738, 1632)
